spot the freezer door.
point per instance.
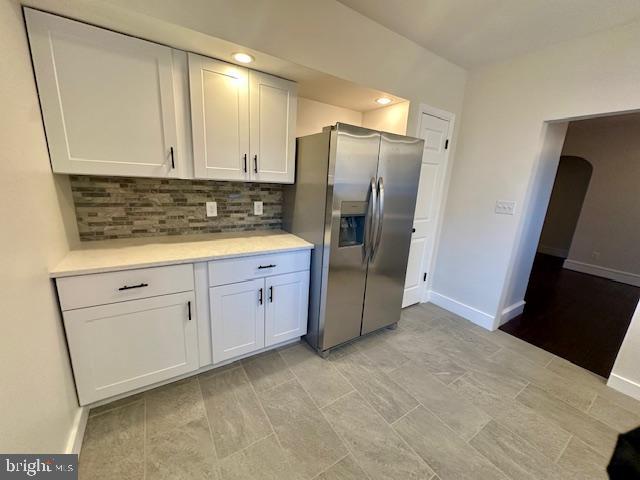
(353, 162)
(398, 175)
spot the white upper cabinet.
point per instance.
(243, 123)
(219, 119)
(273, 106)
(107, 99)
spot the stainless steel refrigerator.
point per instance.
(354, 199)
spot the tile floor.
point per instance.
(438, 398)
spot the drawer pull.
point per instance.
(133, 286)
(266, 266)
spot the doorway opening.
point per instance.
(585, 280)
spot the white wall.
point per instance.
(313, 116)
(392, 118)
(609, 222)
(484, 259)
(625, 375)
(38, 402)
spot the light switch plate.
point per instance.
(505, 207)
(212, 209)
(257, 208)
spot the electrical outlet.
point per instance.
(595, 255)
(212, 209)
(505, 207)
(257, 208)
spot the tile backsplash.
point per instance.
(124, 207)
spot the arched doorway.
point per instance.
(569, 191)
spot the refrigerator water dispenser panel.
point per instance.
(352, 223)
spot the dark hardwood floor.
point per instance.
(579, 317)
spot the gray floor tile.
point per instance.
(263, 460)
(303, 432)
(457, 412)
(583, 463)
(373, 443)
(139, 397)
(471, 339)
(384, 394)
(574, 393)
(345, 469)
(185, 453)
(266, 370)
(447, 454)
(613, 415)
(594, 433)
(173, 406)
(234, 412)
(544, 434)
(113, 445)
(318, 376)
(383, 355)
(513, 455)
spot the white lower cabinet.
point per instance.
(122, 346)
(286, 307)
(237, 319)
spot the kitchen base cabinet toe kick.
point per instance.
(143, 327)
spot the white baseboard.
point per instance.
(610, 273)
(624, 385)
(74, 442)
(465, 311)
(512, 311)
(555, 251)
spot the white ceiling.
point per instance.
(476, 32)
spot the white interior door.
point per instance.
(219, 118)
(273, 111)
(107, 99)
(237, 319)
(286, 307)
(435, 133)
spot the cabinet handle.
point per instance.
(255, 164)
(133, 286)
(260, 296)
(271, 294)
(266, 266)
(173, 165)
(189, 308)
(245, 163)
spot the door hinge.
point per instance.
(446, 144)
(424, 277)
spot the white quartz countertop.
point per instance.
(112, 255)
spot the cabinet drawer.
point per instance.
(233, 270)
(103, 288)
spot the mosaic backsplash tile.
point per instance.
(125, 207)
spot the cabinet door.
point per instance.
(273, 123)
(286, 307)
(237, 319)
(107, 99)
(123, 346)
(219, 119)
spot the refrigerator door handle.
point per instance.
(380, 217)
(370, 221)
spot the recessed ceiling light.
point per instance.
(242, 57)
(383, 100)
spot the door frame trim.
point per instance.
(448, 163)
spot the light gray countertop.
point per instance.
(126, 254)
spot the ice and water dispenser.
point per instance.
(352, 223)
